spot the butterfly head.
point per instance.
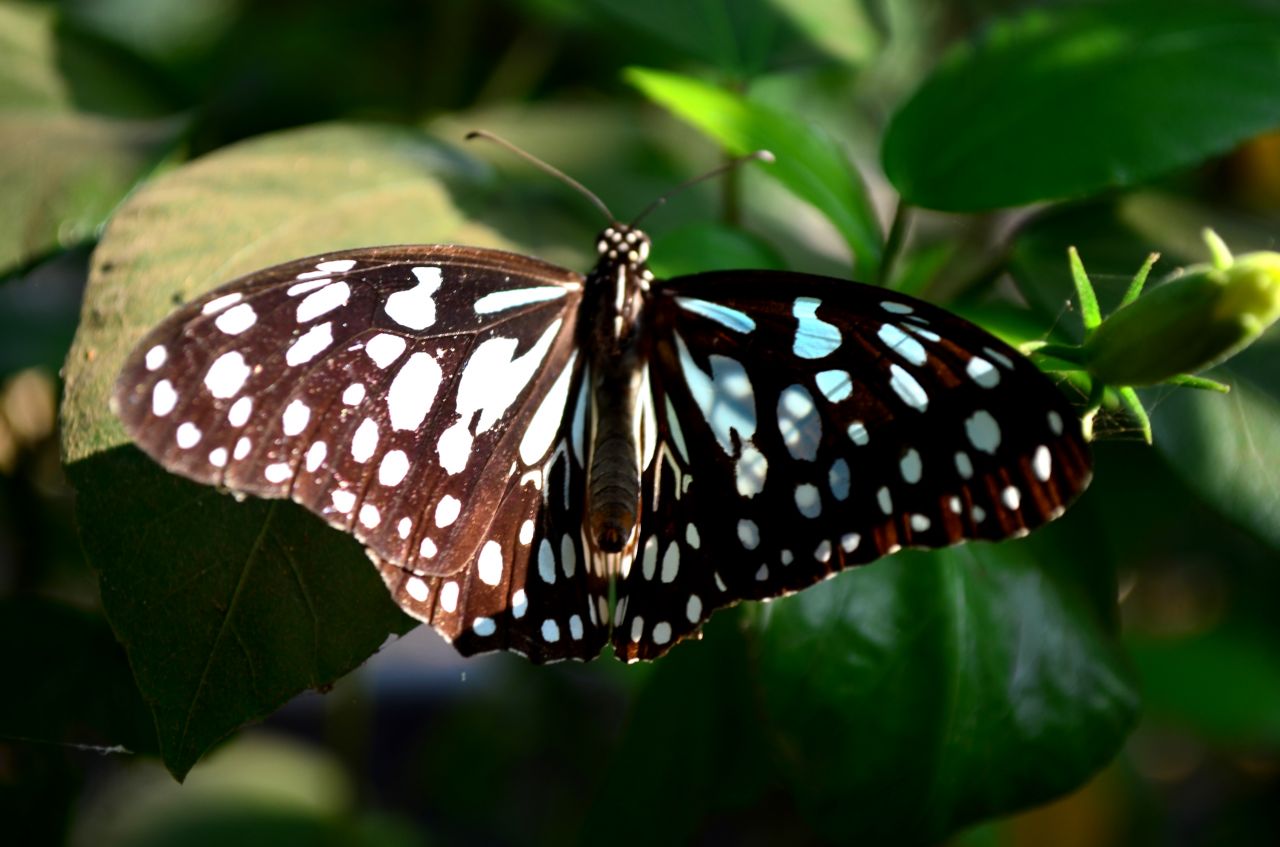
(624, 243)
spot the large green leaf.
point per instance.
(228, 609)
(809, 163)
(75, 135)
(931, 690)
(1065, 101)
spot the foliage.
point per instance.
(906, 700)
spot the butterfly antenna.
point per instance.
(754, 156)
(551, 169)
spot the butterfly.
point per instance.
(542, 462)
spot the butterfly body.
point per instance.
(542, 462)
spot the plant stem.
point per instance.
(899, 229)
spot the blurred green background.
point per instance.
(1112, 680)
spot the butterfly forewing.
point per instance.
(805, 424)
(407, 395)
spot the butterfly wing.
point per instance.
(805, 424)
(412, 396)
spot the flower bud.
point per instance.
(1201, 317)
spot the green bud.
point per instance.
(1200, 317)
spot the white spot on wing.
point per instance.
(499, 301)
(858, 433)
(393, 467)
(1042, 463)
(310, 344)
(838, 478)
(489, 565)
(384, 348)
(449, 596)
(416, 588)
(219, 303)
(906, 387)
(902, 344)
(295, 418)
(834, 385)
(316, 455)
(156, 357)
(815, 338)
(325, 300)
(226, 375)
(447, 510)
(188, 435)
(412, 391)
(982, 372)
(726, 316)
(545, 423)
(983, 431)
(238, 414)
(749, 534)
(808, 500)
(163, 398)
(799, 423)
(911, 467)
(236, 319)
(415, 307)
(365, 441)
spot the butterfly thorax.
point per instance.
(613, 315)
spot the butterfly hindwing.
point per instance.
(806, 424)
(407, 395)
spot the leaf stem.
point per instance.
(899, 230)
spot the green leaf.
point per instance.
(229, 609)
(709, 247)
(978, 680)
(809, 163)
(1227, 447)
(76, 133)
(745, 37)
(1066, 101)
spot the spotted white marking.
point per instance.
(489, 565)
(384, 348)
(188, 435)
(343, 501)
(218, 457)
(336, 266)
(519, 604)
(799, 423)
(661, 632)
(922, 333)
(983, 431)
(762, 574)
(500, 301)
(365, 441)
(954, 504)
(677, 433)
(491, 380)
(786, 557)
(156, 357)
(724, 315)
(885, 499)
(1055, 423)
(310, 344)
(999, 357)
(236, 319)
(691, 536)
(1011, 497)
(316, 454)
(393, 468)
(277, 472)
(906, 387)
(545, 423)
(911, 466)
(238, 414)
(242, 449)
(849, 541)
(902, 344)
(526, 532)
(575, 627)
(693, 609)
(226, 375)
(416, 588)
(671, 562)
(838, 478)
(404, 527)
(719, 582)
(578, 428)
(546, 562)
(308, 285)
(484, 627)
(979, 514)
(353, 394)
(370, 516)
(823, 552)
(725, 398)
(1042, 463)
(219, 303)
(982, 372)
(568, 556)
(649, 557)
(964, 466)
(896, 308)
(449, 596)
(447, 510)
(427, 549)
(858, 433)
(815, 338)
(750, 471)
(834, 385)
(808, 500)
(413, 391)
(321, 302)
(920, 523)
(163, 398)
(415, 308)
(295, 418)
(637, 628)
